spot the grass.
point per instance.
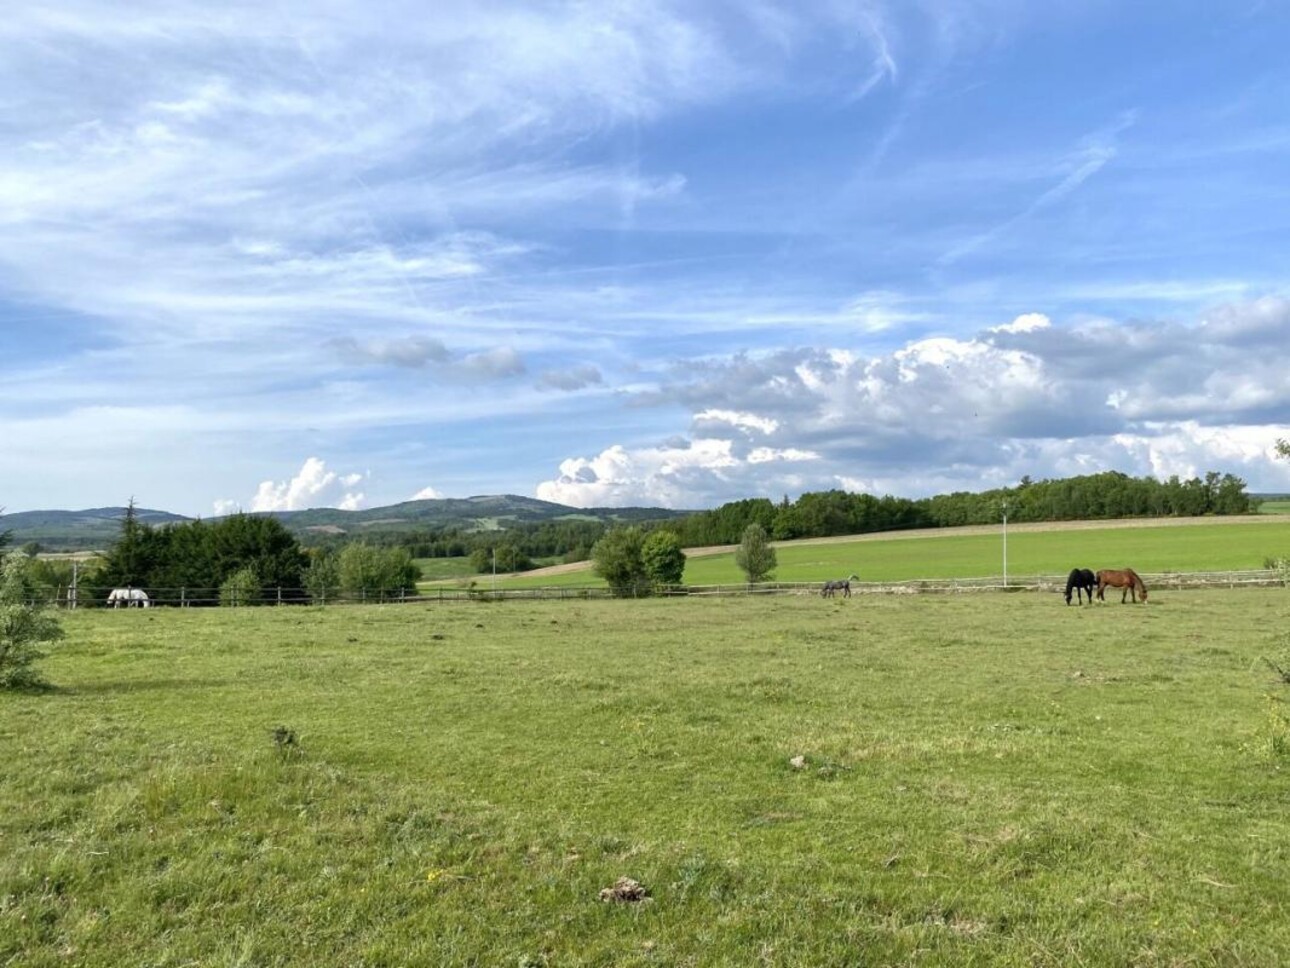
(1221, 546)
(986, 779)
(441, 569)
(1275, 506)
(458, 568)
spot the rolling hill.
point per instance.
(96, 528)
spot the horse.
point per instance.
(842, 585)
(1126, 579)
(129, 597)
(1083, 582)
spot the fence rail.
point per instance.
(183, 597)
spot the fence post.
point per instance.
(279, 594)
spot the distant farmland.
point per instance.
(1157, 545)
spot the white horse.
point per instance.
(129, 597)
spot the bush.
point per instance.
(663, 559)
(240, 588)
(1281, 566)
(616, 558)
(23, 627)
(372, 573)
(322, 577)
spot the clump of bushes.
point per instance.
(24, 627)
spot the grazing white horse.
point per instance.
(129, 597)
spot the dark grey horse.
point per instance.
(842, 585)
(1080, 580)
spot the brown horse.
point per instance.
(1126, 579)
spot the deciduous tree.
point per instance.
(616, 558)
(663, 559)
(755, 556)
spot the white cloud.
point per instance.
(944, 413)
(427, 494)
(764, 455)
(313, 486)
(1026, 323)
(667, 476)
(740, 421)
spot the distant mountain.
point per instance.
(483, 513)
(76, 530)
(98, 528)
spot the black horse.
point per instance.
(1081, 580)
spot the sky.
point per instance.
(281, 255)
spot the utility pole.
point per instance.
(1005, 542)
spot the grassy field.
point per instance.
(1218, 546)
(985, 779)
(1275, 506)
(439, 569)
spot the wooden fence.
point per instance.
(183, 597)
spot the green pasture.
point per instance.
(440, 569)
(1202, 547)
(982, 779)
(1275, 506)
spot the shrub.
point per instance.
(374, 573)
(663, 559)
(322, 577)
(240, 588)
(616, 558)
(23, 627)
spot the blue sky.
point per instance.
(287, 255)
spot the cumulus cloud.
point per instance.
(1025, 323)
(427, 494)
(657, 476)
(1029, 397)
(739, 421)
(313, 486)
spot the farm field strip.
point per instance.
(1208, 545)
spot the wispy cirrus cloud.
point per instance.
(746, 229)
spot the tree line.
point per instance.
(246, 558)
(817, 514)
(1108, 495)
(240, 560)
